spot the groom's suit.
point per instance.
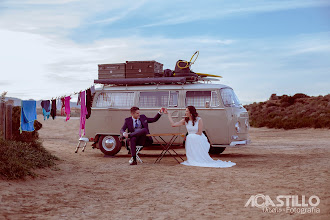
(138, 136)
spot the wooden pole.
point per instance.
(9, 122)
(2, 120)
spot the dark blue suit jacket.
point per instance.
(144, 122)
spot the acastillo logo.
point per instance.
(285, 203)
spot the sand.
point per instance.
(87, 185)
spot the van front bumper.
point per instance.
(235, 143)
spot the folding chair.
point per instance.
(138, 148)
(83, 141)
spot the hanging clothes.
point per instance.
(67, 107)
(45, 104)
(53, 111)
(89, 101)
(93, 90)
(78, 101)
(28, 115)
(62, 106)
(45, 114)
(83, 113)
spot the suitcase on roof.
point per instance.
(110, 71)
(143, 69)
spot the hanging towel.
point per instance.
(45, 104)
(67, 107)
(53, 111)
(62, 106)
(88, 102)
(28, 115)
(83, 113)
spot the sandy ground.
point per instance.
(88, 185)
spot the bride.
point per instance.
(197, 145)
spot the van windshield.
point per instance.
(229, 98)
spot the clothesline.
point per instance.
(74, 93)
(85, 99)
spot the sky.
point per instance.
(52, 48)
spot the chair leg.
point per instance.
(137, 153)
(138, 158)
(83, 150)
(77, 147)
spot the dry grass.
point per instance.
(19, 159)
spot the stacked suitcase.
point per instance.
(130, 69)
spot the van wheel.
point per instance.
(216, 150)
(109, 145)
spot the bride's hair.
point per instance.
(193, 113)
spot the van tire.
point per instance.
(109, 145)
(216, 150)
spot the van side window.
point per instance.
(229, 98)
(115, 99)
(202, 98)
(158, 99)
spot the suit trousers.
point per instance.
(138, 137)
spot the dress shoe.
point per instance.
(133, 163)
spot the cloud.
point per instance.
(206, 10)
(255, 68)
(4, 83)
(128, 9)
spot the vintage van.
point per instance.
(226, 122)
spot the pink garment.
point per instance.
(67, 107)
(62, 106)
(83, 112)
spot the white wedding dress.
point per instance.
(197, 149)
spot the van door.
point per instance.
(209, 108)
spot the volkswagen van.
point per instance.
(226, 121)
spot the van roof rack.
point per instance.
(143, 81)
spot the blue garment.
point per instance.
(46, 114)
(45, 104)
(28, 115)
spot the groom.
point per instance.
(137, 127)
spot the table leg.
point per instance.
(166, 148)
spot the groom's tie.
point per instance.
(136, 124)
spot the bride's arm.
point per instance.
(174, 124)
(200, 127)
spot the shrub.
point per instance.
(24, 152)
(291, 112)
(18, 159)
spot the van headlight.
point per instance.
(237, 127)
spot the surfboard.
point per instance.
(208, 75)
